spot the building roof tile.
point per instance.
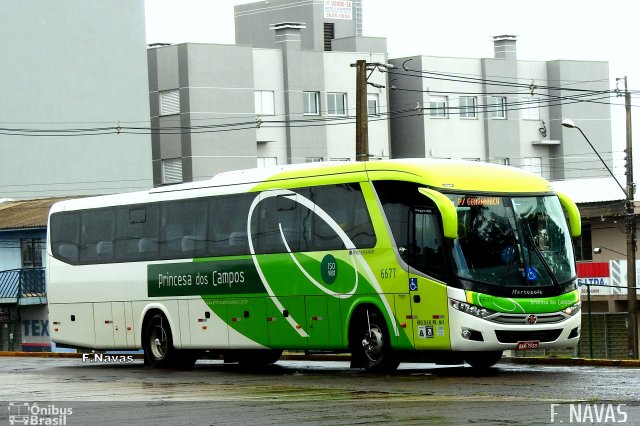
(25, 213)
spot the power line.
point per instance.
(478, 80)
(248, 125)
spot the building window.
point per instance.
(372, 104)
(329, 34)
(530, 109)
(169, 102)
(532, 165)
(498, 107)
(339, 159)
(267, 161)
(171, 170)
(336, 104)
(504, 161)
(468, 107)
(583, 245)
(31, 252)
(311, 103)
(438, 107)
(264, 102)
(313, 159)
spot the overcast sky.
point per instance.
(546, 30)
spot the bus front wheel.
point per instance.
(370, 343)
(482, 360)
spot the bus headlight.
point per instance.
(476, 311)
(572, 310)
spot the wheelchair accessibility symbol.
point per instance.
(413, 284)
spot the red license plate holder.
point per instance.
(528, 345)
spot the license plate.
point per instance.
(525, 346)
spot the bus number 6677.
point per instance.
(388, 273)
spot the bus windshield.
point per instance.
(512, 241)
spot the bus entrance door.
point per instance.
(428, 312)
(428, 295)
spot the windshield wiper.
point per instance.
(512, 261)
(532, 244)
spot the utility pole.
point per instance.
(362, 119)
(632, 303)
(362, 112)
(630, 223)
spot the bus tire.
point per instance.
(482, 360)
(158, 343)
(370, 343)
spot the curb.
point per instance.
(297, 356)
(626, 363)
(55, 354)
(41, 354)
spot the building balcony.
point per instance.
(23, 286)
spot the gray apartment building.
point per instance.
(72, 74)
(285, 93)
(503, 110)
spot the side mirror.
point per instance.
(573, 214)
(447, 210)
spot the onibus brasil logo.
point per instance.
(25, 413)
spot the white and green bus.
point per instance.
(442, 260)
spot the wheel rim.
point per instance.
(373, 344)
(158, 342)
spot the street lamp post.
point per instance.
(632, 327)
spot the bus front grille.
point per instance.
(504, 336)
(522, 318)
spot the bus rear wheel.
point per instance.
(482, 360)
(158, 346)
(370, 343)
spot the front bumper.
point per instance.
(471, 333)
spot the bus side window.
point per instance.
(346, 206)
(137, 233)
(414, 225)
(396, 199)
(65, 235)
(183, 228)
(265, 234)
(227, 230)
(278, 220)
(97, 235)
(425, 248)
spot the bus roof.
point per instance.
(435, 173)
(460, 175)
(445, 175)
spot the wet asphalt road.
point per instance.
(312, 392)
